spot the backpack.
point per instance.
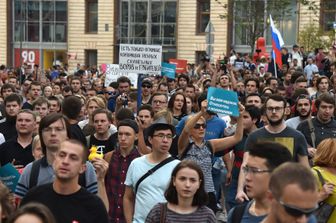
(238, 213)
(184, 154)
(35, 170)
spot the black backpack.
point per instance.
(238, 213)
(35, 170)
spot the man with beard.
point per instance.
(324, 126)
(275, 131)
(302, 111)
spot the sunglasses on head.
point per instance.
(297, 212)
(198, 126)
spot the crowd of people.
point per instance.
(166, 157)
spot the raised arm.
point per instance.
(227, 142)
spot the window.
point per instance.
(91, 16)
(91, 57)
(203, 15)
(327, 14)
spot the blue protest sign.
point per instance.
(9, 176)
(168, 69)
(223, 101)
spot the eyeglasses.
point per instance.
(146, 86)
(252, 170)
(162, 136)
(276, 109)
(198, 126)
(297, 212)
(159, 102)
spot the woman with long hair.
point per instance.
(325, 171)
(186, 197)
(178, 106)
(6, 202)
(33, 213)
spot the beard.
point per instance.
(277, 122)
(304, 116)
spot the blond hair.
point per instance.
(326, 153)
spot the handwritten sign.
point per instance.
(223, 101)
(144, 59)
(113, 72)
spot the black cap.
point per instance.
(160, 123)
(130, 123)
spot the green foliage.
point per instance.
(313, 37)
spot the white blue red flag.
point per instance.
(277, 43)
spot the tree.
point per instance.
(251, 17)
(313, 37)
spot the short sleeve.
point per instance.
(129, 181)
(301, 144)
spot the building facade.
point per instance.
(72, 32)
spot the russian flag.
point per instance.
(277, 43)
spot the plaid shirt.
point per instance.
(114, 183)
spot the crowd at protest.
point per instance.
(87, 152)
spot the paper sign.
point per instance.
(181, 65)
(9, 176)
(223, 101)
(113, 72)
(168, 70)
(143, 59)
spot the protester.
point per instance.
(186, 197)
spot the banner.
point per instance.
(168, 70)
(28, 56)
(181, 65)
(143, 59)
(113, 72)
(223, 101)
(9, 176)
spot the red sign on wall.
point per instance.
(29, 56)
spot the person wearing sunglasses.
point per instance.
(262, 158)
(293, 195)
(146, 88)
(193, 146)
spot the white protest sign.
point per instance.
(113, 73)
(141, 59)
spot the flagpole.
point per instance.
(275, 68)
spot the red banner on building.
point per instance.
(28, 56)
(181, 65)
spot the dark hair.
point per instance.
(130, 123)
(71, 107)
(183, 76)
(320, 79)
(7, 86)
(75, 78)
(54, 98)
(47, 121)
(35, 83)
(291, 173)
(252, 94)
(37, 209)
(254, 112)
(123, 79)
(276, 97)
(326, 97)
(191, 86)
(67, 88)
(274, 153)
(79, 143)
(162, 84)
(268, 81)
(124, 113)
(13, 97)
(200, 198)
(146, 107)
(172, 100)
(201, 98)
(157, 94)
(102, 111)
(252, 79)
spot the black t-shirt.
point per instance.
(104, 145)
(81, 206)
(8, 129)
(76, 133)
(13, 150)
